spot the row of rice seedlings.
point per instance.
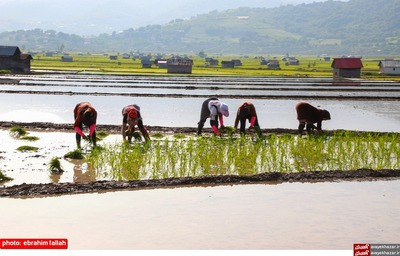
(199, 156)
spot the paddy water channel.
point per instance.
(263, 216)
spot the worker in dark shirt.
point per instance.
(245, 112)
(308, 115)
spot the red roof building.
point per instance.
(347, 67)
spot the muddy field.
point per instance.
(40, 189)
(43, 104)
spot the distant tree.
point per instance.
(202, 54)
(61, 48)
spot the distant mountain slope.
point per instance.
(362, 27)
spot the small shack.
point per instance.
(237, 62)
(11, 58)
(292, 61)
(180, 66)
(274, 64)
(161, 63)
(211, 62)
(66, 58)
(347, 67)
(146, 63)
(227, 64)
(389, 67)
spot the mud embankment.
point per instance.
(32, 190)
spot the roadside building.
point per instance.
(11, 58)
(389, 67)
(347, 67)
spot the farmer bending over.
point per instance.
(85, 114)
(214, 109)
(247, 111)
(308, 115)
(131, 118)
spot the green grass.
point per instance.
(202, 156)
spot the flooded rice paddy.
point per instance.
(331, 215)
(291, 216)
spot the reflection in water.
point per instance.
(298, 216)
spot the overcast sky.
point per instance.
(85, 17)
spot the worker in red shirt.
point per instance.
(247, 111)
(308, 115)
(130, 118)
(85, 114)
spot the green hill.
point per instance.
(356, 27)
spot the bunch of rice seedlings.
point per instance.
(75, 154)
(100, 135)
(27, 148)
(55, 166)
(157, 135)
(179, 136)
(17, 131)
(3, 177)
(29, 138)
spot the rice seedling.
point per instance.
(179, 136)
(157, 135)
(55, 166)
(17, 131)
(27, 148)
(29, 138)
(202, 156)
(75, 154)
(100, 135)
(230, 130)
(4, 177)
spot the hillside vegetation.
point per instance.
(357, 27)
